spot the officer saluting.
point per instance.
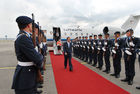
(130, 45)
(24, 80)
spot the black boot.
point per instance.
(112, 74)
(117, 76)
(100, 68)
(108, 71)
(125, 80)
(38, 92)
(130, 82)
(105, 70)
(138, 87)
(94, 65)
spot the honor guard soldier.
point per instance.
(95, 51)
(83, 48)
(37, 38)
(74, 46)
(24, 80)
(138, 51)
(86, 49)
(117, 54)
(79, 47)
(90, 44)
(100, 52)
(37, 31)
(130, 45)
(106, 52)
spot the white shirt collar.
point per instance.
(27, 33)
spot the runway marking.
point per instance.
(83, 63)
(6, 68)
(48, 65)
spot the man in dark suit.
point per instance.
(25, 77)
(67, 47)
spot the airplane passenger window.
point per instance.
(81, 34)
(70, 33)
(87, 34)
(76, 34)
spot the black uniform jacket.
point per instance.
(25, 76)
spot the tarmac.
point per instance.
(9, 62)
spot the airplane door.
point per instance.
(56, 33)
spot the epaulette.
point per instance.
(21, 35)
(27, 35)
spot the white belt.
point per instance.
(25, 63)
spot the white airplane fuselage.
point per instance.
(77, 31)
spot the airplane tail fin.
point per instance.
(131, 22)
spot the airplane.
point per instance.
(76, 31)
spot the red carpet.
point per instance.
(82, 80)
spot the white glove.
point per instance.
(36, 48)
(116, 44)
(105, 43)
(131, 44)
(128, 52)
(98, 48)
(41, 46)
(113, 51)
(103, 49)
(100, 43)
(44, 43)
(92, 48)
(139, 53)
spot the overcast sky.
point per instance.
(66, 12)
